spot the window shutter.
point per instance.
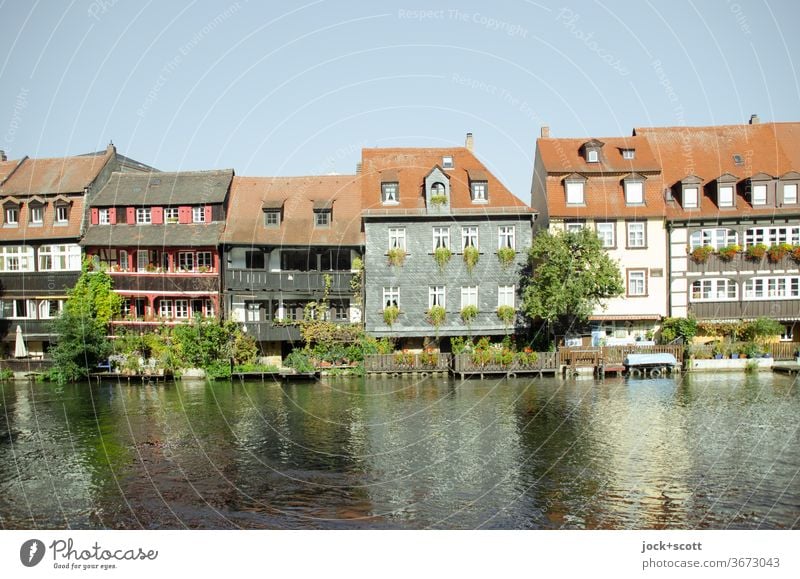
(112, 217)
(208, 213)
(95, 216)
(184, 214)
(157, 215)
(131, 215)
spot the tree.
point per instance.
(82, 328)
(571, 275)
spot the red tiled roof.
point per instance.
(298, 196)
(605, 199)
(410, 166)
(565, 156)
(708, 152)
(26, 231)
(55, 175)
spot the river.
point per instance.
(702, 451)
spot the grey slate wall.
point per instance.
(421, 271)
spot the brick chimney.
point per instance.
(469, 143)
(754, 120)
(358, 168)
(3, 155)
(545, 134)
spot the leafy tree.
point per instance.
(685, 328)
(571, 275)
(82, 328)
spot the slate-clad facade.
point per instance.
(416, 200)
(158, 235)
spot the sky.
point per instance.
(298, 88)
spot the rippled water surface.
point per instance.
(700, 452)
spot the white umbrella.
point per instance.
(20, 351)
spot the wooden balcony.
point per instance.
(166, 282)
(777, 309)
(39, 282)
(715, 264)
(312, 282)
(268, 332)
(31, 329)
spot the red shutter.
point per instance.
(208, 213)
(95, 216)
(157, 215)
(113, 215)
(131, 215)
(184, 214)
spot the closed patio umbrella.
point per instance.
(20, 351)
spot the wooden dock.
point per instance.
(786, 367)
(129, 378)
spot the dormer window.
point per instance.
(323, 213)
(438, 189)
(447, 162)
(479, 191)
(690, 191)
(634, 189)
(592, 156)
(272, 218)
(12, 215)
(591, 150)
(790, 194)
(628, 153)
(143, 216)
(759, 186)
(726, 185)
(37, 214)
(574, 187)
(198, 214)
(104, 216)
(62, 213)
(389, 193)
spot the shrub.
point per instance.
(390, 314)
(397, 256)
(468, 314)
(506, 315)
(299, 361)
(673, 328)
(728, 252)
(506, 256)
(756, 252)
(700, 254)
(460, 344)
(438, 199)
(442, 255)
(471, 256)
(436, 316)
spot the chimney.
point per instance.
(754, 120)
(3, 155)
(358, 168)
(469, 143)
(545, 132)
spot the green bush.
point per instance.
(299, 360)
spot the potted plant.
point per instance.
(776, 252)
(734, 352)
(506, 256)
(756, 252)
(506, 315)
(397, 256)
(700, 254)
(468, 314)
(436, 316)
(438, 200)
(390, 314)
(716, 351)
(796, 253)
(471, 256)
(728, 252)
(442, 255)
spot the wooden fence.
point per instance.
(614, 355)
(778, 350)
(545, 362)
(401, 362)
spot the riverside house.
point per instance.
(290, 241)
(158, 234)
(444, 237)
(43, 216)
(613, 186)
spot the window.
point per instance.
(636, 234)
(62, 213)
(790, 194)
(788, 333)
(16, 258)
(634, 194)
(469, 237)
(592, 156)
(185, 261)
(181, 308)
(505, 295)
(637, 282)
(397, 238)
(479, 190)
(340, 313)
(116, 259)
(165, 308)
(60, 258)
(574, 226)
(199, 214)
(21, 308)
(726, 196)
(759, 195)
(170, 215)
(716, 238)
(322, 218)
(628, 153)
(12, 215)
(441, 237)
(272, 218)
(505, 236)
(469, 296)
(772, 235)
(714, 290)
(391, 297)
(254, 259)
(389, 193)
(436, 296)
(104, 216)
(575, 193)
(49, 309)
(205, 261)
(447, 162)
(690, 197)
(438, 189)
(37, 214)
(143, 215)
(605, 231)
(771, 288)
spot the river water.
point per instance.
(702, 451)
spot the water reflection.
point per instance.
(702, 452)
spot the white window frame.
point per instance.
(725, 195)
(28, 314)
(628, 153)
(65, 257)
(12, 216)
(634, 192)
(45, 312)
(607, 230)
(506, 296)
(633, 284)
(272, 218)
(165, 308)
(199, 214)
(575, 192)
(437, 296)
(391, 296)
(717, 238)
(506, 237)
(397, 238)
(759, 194)
(204, 259)
(390, 193)
(186, 261)
(17, 258)
(441, 237)
(62, 213)
(322, 218)
(469, 296)
(592, 156)
(714, 290)
(104, 216)
(469, 237)
(182, 309)
(574, 226)
(778, 287)
(143, 216)
(447, 162)
(691, 197)
(479, 191)
(792, 199)
(37, 214)
(633, 240)
(171, 215)
(772, 235)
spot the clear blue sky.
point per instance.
(285, 88)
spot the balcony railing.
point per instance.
(269, 332)
(165, 282)
(740, 262)
(778, 309)
(40, 282)
(301, 281)
(30, 328)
